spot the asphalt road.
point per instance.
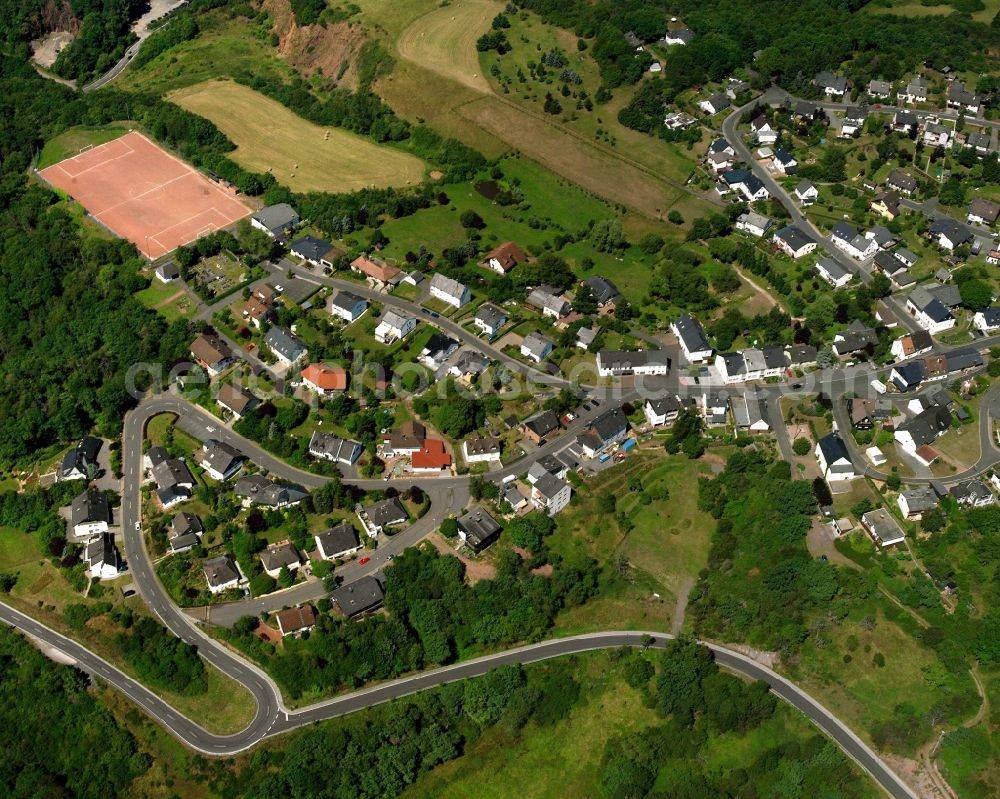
(275, 719)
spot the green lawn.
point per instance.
(72, 141)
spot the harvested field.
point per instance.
(144, 194)
(444, 41)
(305, 157)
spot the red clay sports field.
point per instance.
(144, 194)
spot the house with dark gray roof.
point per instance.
(617, 363)
(478, 529)
(288, 348)
(80, 463)
(856, 337)
(220, 460)
(326, 446)
(604, 290)
(275, 220)
(362, 596)
(833, 458)
(924, 428)
(313, 250)
(793, 242)
(489, 318)
(691, 336)
(90, 514)
(830, 84)
(949, 233)
(221, 573)
(338, 542)
(385, 513)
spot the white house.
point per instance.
(831, 85)
(481, 449)
(221, 574)
(936, 135)
(449, 291)
(714, 104)
(753, 223)
(807, 192)
(90, 515)
(278, 556)
(987, 320)
(394, 326)
(489, 318)
(679, 36)
(833, 273)
(338, 542)
(662, 411)
(618, 363)
(883, 529)
(930, 313)
(849, 239)
(914, 502)
(833, 459)
(101, 558)
(551, 494)
(536, 347)
(793, 242)
(691, 336)
(784, 161)
(348, 306)
(762, 131)
(287, 348)
(275, 220)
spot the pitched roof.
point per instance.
(341, 538)
(492, 316)
(346, 301)
(794, 237)
(328, 378)
(927, 425)
(362, 595)
(278, 555)
(236, 398)
(508, 255)
(479, 527)
(448, 286)
(311, 248)
(285, 343)
(277, 216)
(691, 333)
(219, 571)
(986, 209)
(90, 506)
(543, 423)
(294, 619)
(833, 450)
(603, 289)
(432, 455)
(375, 268)
(209, 349)
(386, 512)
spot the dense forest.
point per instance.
(58, 739)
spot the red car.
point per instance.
(363, 561)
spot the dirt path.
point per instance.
(763, 292)
(895, 601)
(682, 603)
(984, 708)
(170, 299)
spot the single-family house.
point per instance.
(585, 337)
(753, 223)
(936, 135)
(257, 312)
(914, 92)
(255, 489)
(362, 596)
(662, 410)
(692, 339)
(793, 242)
(221, 574)
(907, 376)
(347, 306)
(914, 502)
(960, 97)
(324, 380)
(550, 494)
(431, 458)
(90, 515)
(405, 440)
(338, 542)
(535, 347)
(784, 162)
(862, 413)
(830, 84)
(326, 446)
(288, 348)
(608, 428)
(489, 318)
(905, 122)
(879, 89)
(806, 191)
(924, 428)
(886, 204)
(101, 558)
(538, 427)
(973, 493)
(849, 239)
(185, 532)
(279, 556)
(832, 272)
(983, 212)
(383, 514)
(211, 354)
(548, 300)
(912, 344)
(883, 529)
(853, 121)
(376, 270)
(987, 320)
(220, 460)
(80, 462)
(763, 131)
(394, 326)
(605, 292)
(979, 141)
(504, 257)
(901, 182)
(314, 251)
(236, 399)
(679, 36)
(275, 220)
(929, 312)
(449, 291)
(855, 337)
(295, 621)
(481, 449)
(617, 363)
(477, 529)
(438, 349)
(833, 459)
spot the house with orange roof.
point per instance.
(376, 269)
(431, 457)
(504, 258)
(324, 380)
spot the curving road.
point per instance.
(276, 719)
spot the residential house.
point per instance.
(746, 183)
(288, 348)
(477, 529)
(929, 312)
(375, 518)
(80, 463)
(714, 407)
(449, 291)
(394, 326)
(185, 532)
(551, 494)
(720, 145)
(547, 464)
(692, 339)
(585, 337)
(101, 558)
(987, 320)
(883, 529)
(676, 120)
(376, 270)
(914, 502)
(849, 239)
(882, 236)
(901, 182)
(833, 459)
(854, 120)
(907, 376)
(326, 446)
(915, 91)
(714, 103)
(753, 223)
(830, 84)
(314, 251)
(785, 162)
(805, 112)
(973, 493)
(905, 122)
(438, 349)
(936, 135)
(886, 204)
(338, 542)
(961, 359)
(800, 356)
(993, 257)
(504, 257)
(719, 162)
(855, 338)
(663, 410)
(905, 257)
(832, 272)
(960, 97)
(173, 479)
(362, 596)
(489, 318)
(219, 460)
(983, 212)
(605, 292)
(279, 556)
(979, 141)
(547, 300)
(347, 306)
(616, 363)
(255, 489)
(324, 380)
(431, 458)
(912, 344)
(257, 312)
(535, 347)
(731, 367)
(924, 428)
(168, 272)
(90, 515)
(793, 242)
(481, 449)
(879, 89)
(762, 130)
(610, 427)
(295, 621)
(862, 413)
(221, 573)
(679, 36)
(806, 191)
(236, 399)
(468, 365)
(538, 427)
(275, 220)
(211, 354)
(406, 440)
